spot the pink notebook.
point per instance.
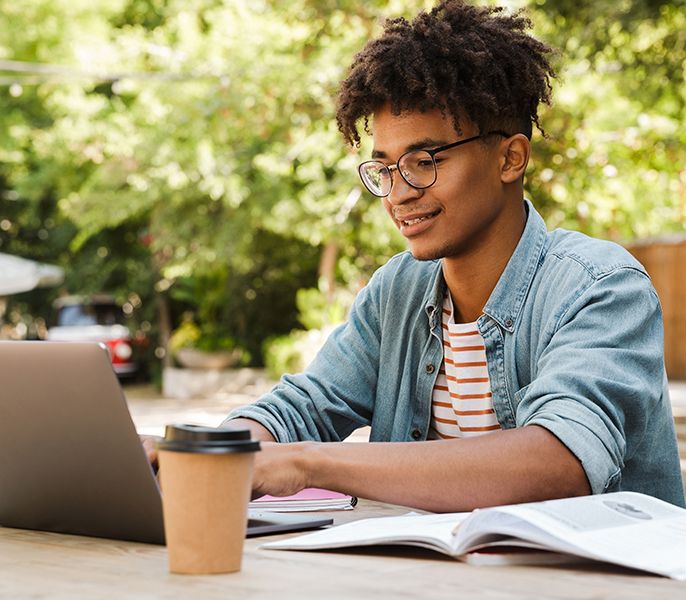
(309, 499)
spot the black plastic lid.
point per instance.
(207, 440)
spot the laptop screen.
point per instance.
(70, 457)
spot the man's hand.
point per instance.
(150, 446)
(258, 432)
(279, 469)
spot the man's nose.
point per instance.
(401, 191)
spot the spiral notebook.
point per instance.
(309, 499)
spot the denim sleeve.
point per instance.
(600, 377)
(335, 394)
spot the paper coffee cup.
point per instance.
(206, 479)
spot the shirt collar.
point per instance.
(433, 299)
(506, 300)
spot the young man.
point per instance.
(530, 362)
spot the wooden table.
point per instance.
(47, 565)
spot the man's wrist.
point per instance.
(312, 462)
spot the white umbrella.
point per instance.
(21, 275)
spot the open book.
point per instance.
(309, 499)
(624, 528)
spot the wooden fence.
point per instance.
(665, 261)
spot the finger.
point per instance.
(152, 457)
(150, 447)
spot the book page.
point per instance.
(428, 531)
(625, 528)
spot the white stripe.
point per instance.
(462, 388)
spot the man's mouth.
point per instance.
(414, 220)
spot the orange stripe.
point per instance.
(444, 436)
(465, 334)
(463, 348)
(446, 311)
(468, 380)
(489, 428)
(447, 421)
(467, 413)
(442, 388)
(464, 413)
(450, 361)
(471, 396)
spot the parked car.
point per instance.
(97, 319)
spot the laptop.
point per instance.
(70, 458)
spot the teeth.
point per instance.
(415, 221)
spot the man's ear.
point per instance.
(515, 152)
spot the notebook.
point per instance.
(70, 458)
(309, 499)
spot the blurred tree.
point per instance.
(185, 151)
(613, 165)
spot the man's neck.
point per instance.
(472, 275)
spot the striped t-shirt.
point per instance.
(462, 403)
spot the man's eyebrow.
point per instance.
(422, 144)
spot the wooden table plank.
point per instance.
(47, 565)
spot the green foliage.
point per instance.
(189, 150)
(283, 354)
(293, 352)
(613, 163)
(317, 311)
(319, 314)
(206, 337)
(185, 335)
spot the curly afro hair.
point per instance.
(467, 61)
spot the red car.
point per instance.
(97, 319)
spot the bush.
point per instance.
(293, 352)
(205, 338)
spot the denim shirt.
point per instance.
(574, 343)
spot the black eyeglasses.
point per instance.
(416, 167)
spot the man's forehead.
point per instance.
(454, 121)
(411, 130)
(379, 150)
(385, 112)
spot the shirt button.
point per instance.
(416, 434)
(508, 322)
(430, 368)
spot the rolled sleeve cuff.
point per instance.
(602, 469)
(264, 418)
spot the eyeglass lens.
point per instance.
(417, 168)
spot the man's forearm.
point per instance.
(518, 465)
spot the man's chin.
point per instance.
(437, 253)
(426, 254)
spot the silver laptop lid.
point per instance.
(70, 457)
